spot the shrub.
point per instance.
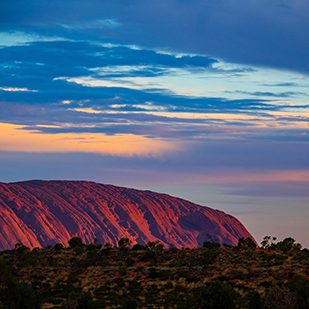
(58, 247)
(21, 249)
(124, 243)
(303, 255)
(217, 295)
(106, 249)
(14, 294)
(137, 247)
(288, 244)
(210, 245)
(209, 256)
(80, 301)
(268, 242)
(155, 246)
(75, 242)
(254, 300)
(129, 261)
(279, 297)
(246, 243)
(300, 287)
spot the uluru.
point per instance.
(41, 213)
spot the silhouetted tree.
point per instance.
(21, 249)
(303, 255)
(58, 247)
(75, 242)
(137, 247)
(268, 242)
(155, 246)
(246, 243)
(124, 243)
(211, 245)
(288, 244)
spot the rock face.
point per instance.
(41, 213)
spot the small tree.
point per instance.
(303, 254)
(288, 244)
(246, 243)
(21, 249)
(58, 247)
(155, 246)
(124, 243)
(138, 247)
(106, 249)
(268, 242)
(75, 242)
(210, 245)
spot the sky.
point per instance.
(205, 99)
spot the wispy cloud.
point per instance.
(266, 94)
(16, 89)
(17, 38)
(109, 23)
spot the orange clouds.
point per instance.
(17, 138)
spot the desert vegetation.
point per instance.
(76, 275)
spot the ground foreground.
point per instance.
(96, 276)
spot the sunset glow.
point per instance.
(17, 138)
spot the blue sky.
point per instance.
(206, 100)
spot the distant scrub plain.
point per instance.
(275, 275)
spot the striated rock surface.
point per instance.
(40, 213)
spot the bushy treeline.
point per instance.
(274, 275)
